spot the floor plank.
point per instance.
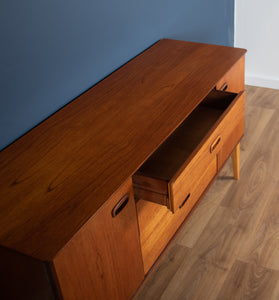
(262, 243)
(220, 239)
(197, 223)
(263, 97)
(163, 274)
(249, 281)
(195, 279)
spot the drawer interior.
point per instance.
(164, 162)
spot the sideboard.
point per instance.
(91, 197)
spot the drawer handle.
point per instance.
(224, 87)
(182, 204)
(120, 205)
(215, 144)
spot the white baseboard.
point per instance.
(272, 83)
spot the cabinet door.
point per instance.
(103, 260)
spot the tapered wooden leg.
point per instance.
(235, 161)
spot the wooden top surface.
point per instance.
(54, 178)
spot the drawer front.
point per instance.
(232, 129)
(233, 80)
(142, 193)
(192, 181)
(191, 173)
(188, 188)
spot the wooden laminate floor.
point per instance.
(230, 247)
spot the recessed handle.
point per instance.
(215, 144)
(120, 205)
(183, 203)
(224, 87)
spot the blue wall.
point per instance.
(52, 51)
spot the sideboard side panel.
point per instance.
(23, 277)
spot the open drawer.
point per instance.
(179, 171)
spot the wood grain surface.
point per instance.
(157, 224)
(229, 247)
(54, 178)
(224, 128)
(234, 79)
(183, 157)
(103, 260)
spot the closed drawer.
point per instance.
(233, 80)
(180, 170)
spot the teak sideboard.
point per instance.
(91, 197)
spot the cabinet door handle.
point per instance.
(120, 205)
(223, 87)
(182, 204)
(215, 144)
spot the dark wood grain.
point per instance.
(55, 178)
(24, 278)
